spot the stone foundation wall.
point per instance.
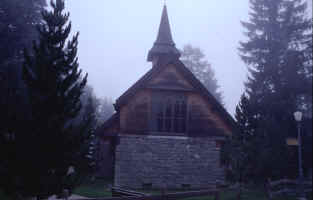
(171, 162)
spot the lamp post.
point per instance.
(298, 118)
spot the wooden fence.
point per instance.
(286, 187)
(121, 194)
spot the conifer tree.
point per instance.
(194, 59)
(49, 145)
(17, 26)
(17, 31)
(237, 151)
(275, 54)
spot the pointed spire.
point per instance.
(165, 34)
(164, 45)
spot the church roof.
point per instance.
(164, 45)
(142, 83)
(107, 124)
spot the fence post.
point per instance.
(269, 189)
(239, 196)
(285, 186)
(66, 194)
(163, 193)
(217, 195)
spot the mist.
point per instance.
(115, 37)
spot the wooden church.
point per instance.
(167, 130)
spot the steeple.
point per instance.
(164, 46)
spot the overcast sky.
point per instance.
(115, 37)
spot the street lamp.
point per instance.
(298, 118)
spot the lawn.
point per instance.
(96, 189)
(2, 197)
(250, 195)
(101, 189)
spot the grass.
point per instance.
(2, 196)
(96, 189)
(100, 189)
(250, 195)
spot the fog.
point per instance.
(115, 37)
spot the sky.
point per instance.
(115, 37)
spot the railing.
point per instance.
(122, 194)
(286, 187)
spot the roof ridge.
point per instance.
(186, 72)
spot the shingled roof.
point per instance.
(107, 124)
(165, 45)
(142, 83)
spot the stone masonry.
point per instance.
(167, 162)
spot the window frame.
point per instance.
(177, 122)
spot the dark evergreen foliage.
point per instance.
(87, 122)
(236, 152)
(17, 26)
(280, 83)
(39, 152)
(275, 53)
(17, 30)
(85, 125)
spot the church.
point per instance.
(168, 129)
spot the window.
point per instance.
(171, 115)
(168, 116)
(220, 145)
(160, 117)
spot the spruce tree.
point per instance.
(17, 31)
(238, 150)
(275, 54)
(17, 26)
(86, 122)
(49, 144)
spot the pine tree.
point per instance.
(84, 126)
(275, 54)
(17, 26)
(17, 31)
(49, 143)
(237, 151)
(86, 122)
(194, 59)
